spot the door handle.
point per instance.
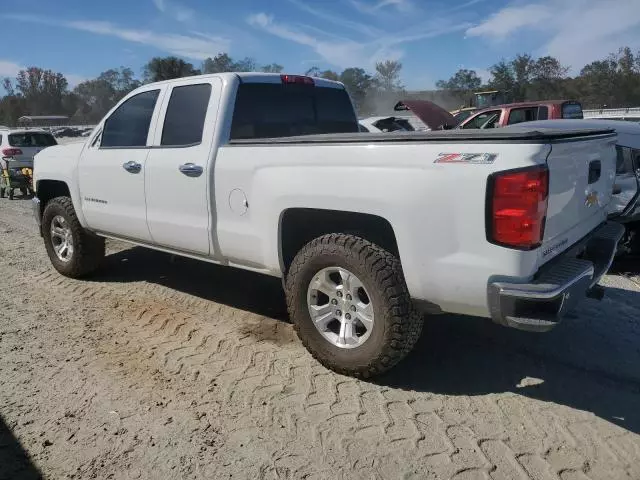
(132, 167)
(190, 169)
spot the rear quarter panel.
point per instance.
(437, 210)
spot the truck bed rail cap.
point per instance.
(521, 134)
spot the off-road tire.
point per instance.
(88, 249)
(397, 326)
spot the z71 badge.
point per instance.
(474, 158)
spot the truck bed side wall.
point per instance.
(437, 210)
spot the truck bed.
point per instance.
(498, 135)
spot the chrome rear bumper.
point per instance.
(559, 285)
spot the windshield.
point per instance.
(463, 115)
(31, 139)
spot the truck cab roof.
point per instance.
(257, 77)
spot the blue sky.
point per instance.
(432, 38)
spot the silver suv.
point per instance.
(21, 145)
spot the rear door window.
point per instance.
(129, 125)
(31, 139)
(186, 112)
(264, 110)
(543, 113)
(519, 115)
(572, 110)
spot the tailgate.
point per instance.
(581, 178)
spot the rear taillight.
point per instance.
(517, 207)
(11, 152)
(300, 79)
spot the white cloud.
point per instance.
(9, 68)
(344, 52)
(176, 10)
(195, 46)
(576, 32)
(404, 6)
(338, 21)
(511, 19)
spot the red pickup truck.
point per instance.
(437, 118)
(510, 114)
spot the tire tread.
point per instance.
(404, 324)
(89, 249)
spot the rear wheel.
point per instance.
(73, 251)
(350, 305)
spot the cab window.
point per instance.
(128, 126)
(186, 113)
(528, 114)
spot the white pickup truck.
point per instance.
(368, 231)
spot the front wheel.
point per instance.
(73, 251)
(350, 305)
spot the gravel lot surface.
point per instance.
(161, 367)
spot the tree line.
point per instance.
(613, 82)
(608, 83)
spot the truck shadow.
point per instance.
(627, 265)
(15, 462)
(259, 294)
(591, 361)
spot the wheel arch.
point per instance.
(48, 189)
(298, 226)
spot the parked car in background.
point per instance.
(625, 202)
(23, 144)
(269, 173)
(385, 124)
(514, 113)
(463, 113)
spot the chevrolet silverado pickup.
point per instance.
(368, 231)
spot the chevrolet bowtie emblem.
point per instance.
(592, 199)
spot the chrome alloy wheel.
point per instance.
(340, 307)
(61, 238)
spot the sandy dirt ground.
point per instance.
(159, 368)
